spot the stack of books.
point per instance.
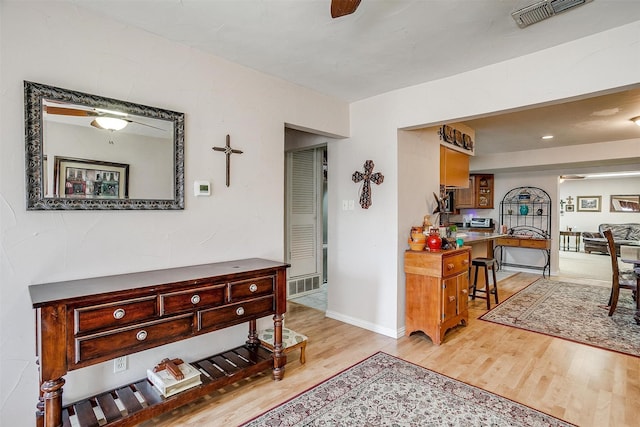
(168, 385)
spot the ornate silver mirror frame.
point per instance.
(36, 95)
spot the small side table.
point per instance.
(565, 239)
(291, 340)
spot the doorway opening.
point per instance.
(306, 215)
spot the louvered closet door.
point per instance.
(303, 209)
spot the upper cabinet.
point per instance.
(454, 168)
(479, 194)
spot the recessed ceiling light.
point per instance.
(547, 137)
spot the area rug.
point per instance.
(383, 390)
(574, 312)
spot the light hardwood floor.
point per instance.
(583, 385)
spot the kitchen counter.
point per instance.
(472, 237)
(474, 229)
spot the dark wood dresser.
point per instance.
(83, 322)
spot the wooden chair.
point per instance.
(619, 280)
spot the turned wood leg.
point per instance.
(40, 412)
(279, 358)
(253, 340)
(40, 404)
(52, 402)
(303, 358)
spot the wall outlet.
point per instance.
(119, 364)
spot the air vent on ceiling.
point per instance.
(543, 9)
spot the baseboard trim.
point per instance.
(366, 325)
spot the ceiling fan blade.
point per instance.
(343, 7)
(69, 111)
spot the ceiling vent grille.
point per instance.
(543, 9)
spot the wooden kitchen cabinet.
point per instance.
(479, 194)
(454, 168)
(464, 197)
(437, 291)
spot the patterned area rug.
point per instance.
(574, 312)
(386, 391)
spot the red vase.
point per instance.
(434, 241)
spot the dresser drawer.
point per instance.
(235, 313)
(121, 313)
(251, 288)
(535, 243)
(507, 241)
(107, 345)
(178, 302)
(455, 264)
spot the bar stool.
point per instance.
(487, 264)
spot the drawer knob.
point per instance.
(253, 287)
(450, 266)
(141, 336)
(452, 298)
(195, 299)
(465, 291)
(240, 311)
(119, 313)
(465, 262)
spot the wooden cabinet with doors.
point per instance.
(454, 168)
(437, 291)
(479, 194)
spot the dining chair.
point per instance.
(619, 279)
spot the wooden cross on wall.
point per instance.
(228, 151)
(367, 177)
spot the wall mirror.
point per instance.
(89, 152)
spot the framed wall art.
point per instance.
(589, 203)
(90, 179)
(625, 203)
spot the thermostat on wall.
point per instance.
(201, 188)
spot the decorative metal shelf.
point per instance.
(526, 213)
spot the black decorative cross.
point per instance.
(367, 177)
(228, 151)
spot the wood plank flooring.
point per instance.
(583, 385)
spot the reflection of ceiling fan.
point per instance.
(109, 120)
(343, 7)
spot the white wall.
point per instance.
(64, 46)
(366, 256)
(589, 221)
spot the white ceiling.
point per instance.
(391, 44)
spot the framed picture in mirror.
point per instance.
(91, 179)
